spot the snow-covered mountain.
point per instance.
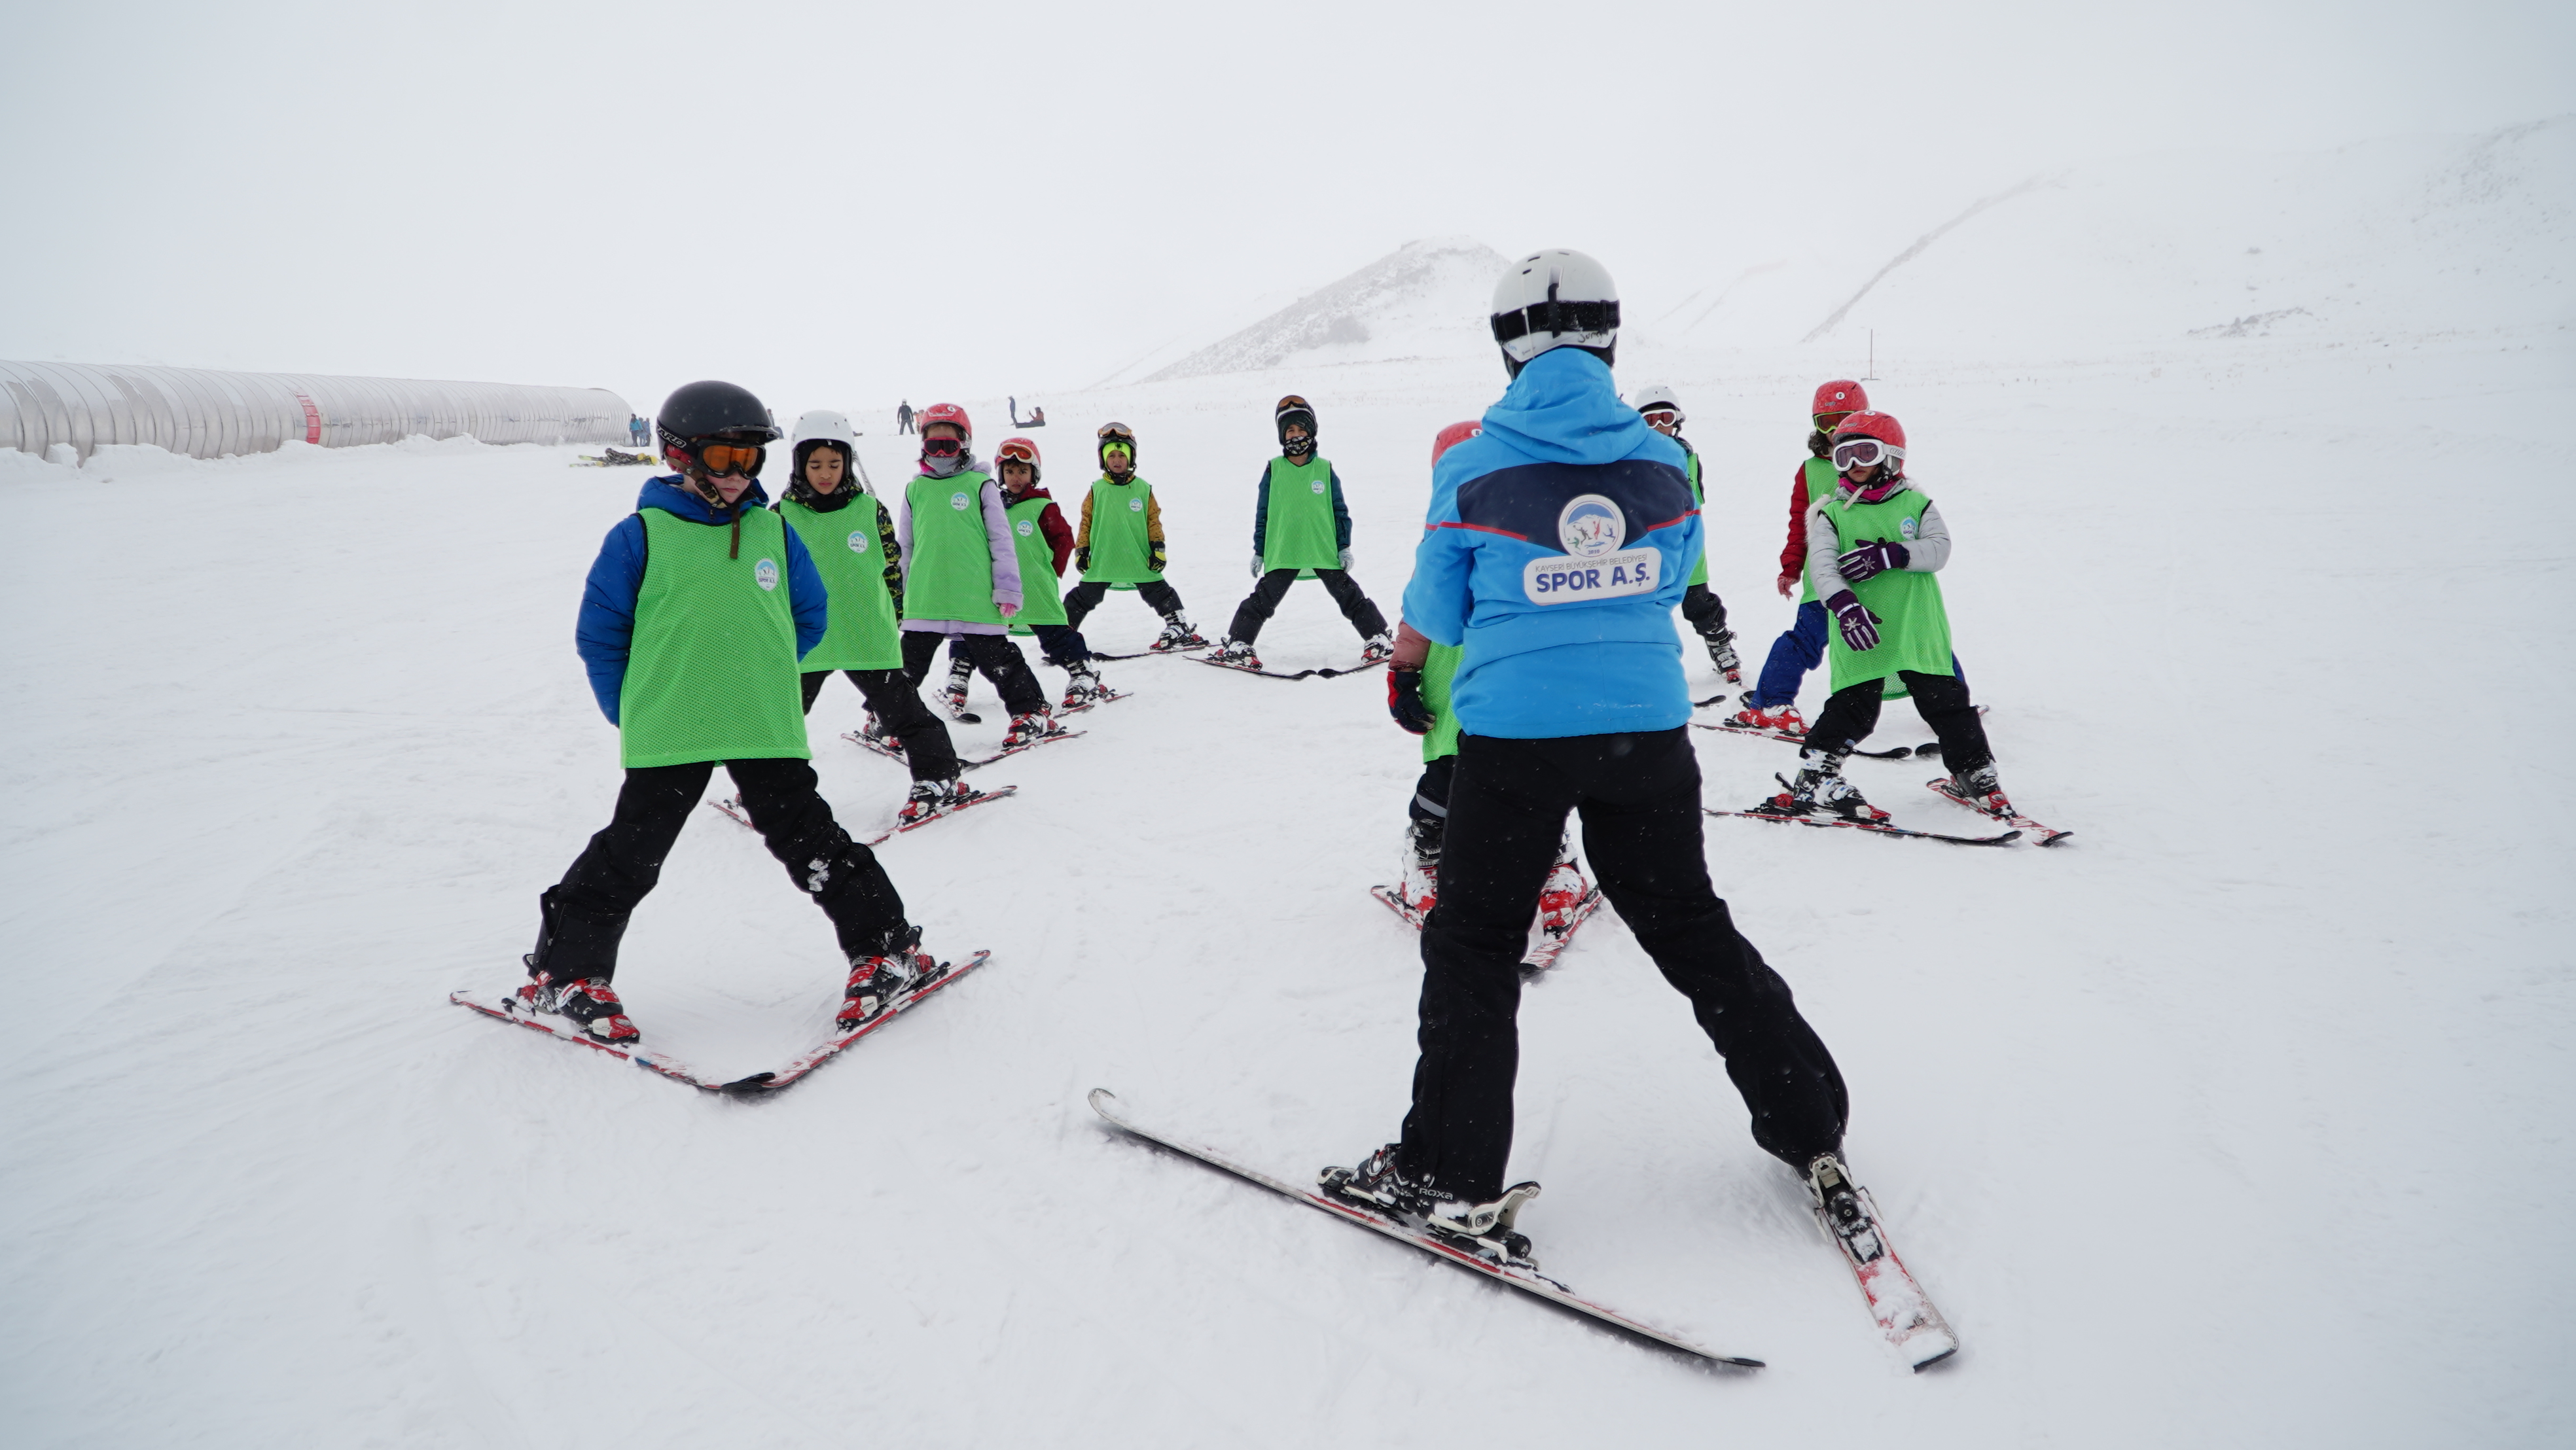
(1424, 299)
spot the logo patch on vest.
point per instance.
(1317, 485)
(1906, 527)
(858, 541)
(765, 574)
(1135, 505)
(957, 501)
(1591, 526)
(1027, 528)
(1562, 579)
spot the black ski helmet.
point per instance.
(1294, 409)
(703, 410)
(1120, 434)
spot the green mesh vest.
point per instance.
(1121, 547)
(1438, 668)
(1040, 600)
(711, 673)
(1298, 530)
(1913, 629)
(1699, 570)
(1821, 480)
(951, 571)
(851, 558)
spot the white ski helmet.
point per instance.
(1655, 398)
(1556, 298)
(824, 426)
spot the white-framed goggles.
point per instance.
(1851, 453)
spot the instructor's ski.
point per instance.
(506, 1007)
(1872, 827)
(1529, 1281)
(1905, 1314)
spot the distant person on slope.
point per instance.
(1554, 552)
(1120, 544)
(849, 533)
(1300, 523)
(692, 622)
(961, 570)
(1874, 543)
(903, 417)
(1045, 545)
(1700, 605)
(1418, 698)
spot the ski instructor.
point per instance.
(1558, 544)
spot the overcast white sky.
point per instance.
(882, 200)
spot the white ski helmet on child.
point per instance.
(1551, 299)
(824, 426)
(1656, 398)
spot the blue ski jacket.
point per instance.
(1557, 545)
(607, 625)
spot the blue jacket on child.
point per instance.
(606, 628)
(1558, 542)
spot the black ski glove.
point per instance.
(1870, 560)
(1860, 627)
(1154, 555)
(1082, 558)
(1404, 700)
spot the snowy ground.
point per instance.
(2238, 1121)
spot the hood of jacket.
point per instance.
(1564, 408)
(672, 495)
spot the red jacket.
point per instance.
(1793, 559)
(1059, 535)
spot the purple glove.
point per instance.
(1860, 627)
(1870, 559)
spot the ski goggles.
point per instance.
(1663, 418)
(1116, 433)
(942, 447)
(720, 459)
(1851, 453)
(1016, 451)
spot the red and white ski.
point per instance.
(506, 1006)
(1904, 1312)
(1527, 1280)
(2048, 835)
(1875, 828)
(731, 810)
(1549, 944)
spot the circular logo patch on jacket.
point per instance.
(765, 573)
(957, 501)
(1317, 485)
(858, 541)
(1906, 527)
(1590, 526)
(1027, 528)
(1135, 505)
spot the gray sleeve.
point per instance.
(1006, 554)
(1929, 549)
(1822, 546)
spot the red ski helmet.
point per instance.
(1453, 435)
(948, 413)
(1842, 395)
(1880, 426)
(1018, 450)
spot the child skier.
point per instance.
(1555, 550)
(961, 570)
(1418, 698)
(1299, 522)
(692, 623)
(1120, 544)
(852, 544)
(1705, 612)
(1038, 531)
(1873, 545)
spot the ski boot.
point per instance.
(1420, 885)
(590, 1002)
(1563, 893)
(1237, 653)
(873, 730)
(1840, 1203)
(1177, 635)
(929, 799)
(1375, 1185)
(1031, 728)
(877, 982)
(1082, 686)
(1783, 721)
(1721, 653)
(954, 696)
(1820, 790)
(1979, 790)
(1379, 646)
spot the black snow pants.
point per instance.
(1639, 798)
(1162, 598)
(585, 914)
(1851, 713)
(1705, 612)
(897, 703)
(1263, 602)
(994, 654)
(1062, 644)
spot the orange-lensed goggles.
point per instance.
(1016, 452)
(724, 458)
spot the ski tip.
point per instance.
(1941, 1355)
(1741, 1361)
(1100, 1098)
(752, 1086)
